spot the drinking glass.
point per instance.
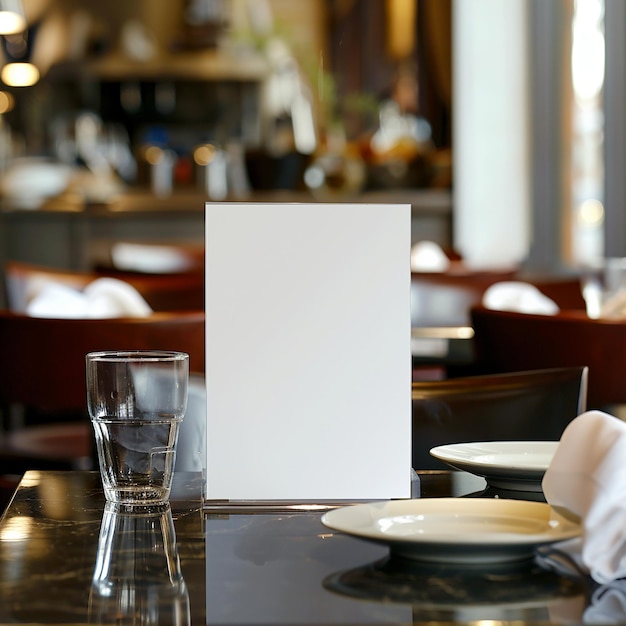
(136, 401)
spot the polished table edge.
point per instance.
(262, 506)
(195, 501)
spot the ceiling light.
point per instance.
(12, 18)
(19, 74)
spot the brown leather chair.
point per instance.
(163, 292)
(42, 361)
(566, 291)
(42, 379)
(521, 406)
(507, 341)
(441, 305)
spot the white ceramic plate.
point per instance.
(513, 465)
(455, 530)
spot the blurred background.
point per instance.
(502, 126)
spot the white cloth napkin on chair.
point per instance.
(518, 296)
(587, 476)
(102, 298)
(428, 256)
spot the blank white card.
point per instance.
(308, 362)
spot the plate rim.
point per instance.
(446, 454)
(381, 510)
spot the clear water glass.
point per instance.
(136, 401)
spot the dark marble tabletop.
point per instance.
(66, 558)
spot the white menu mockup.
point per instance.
(308, 359)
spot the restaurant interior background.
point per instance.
(144, 110)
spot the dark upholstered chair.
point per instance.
(442, 302)
(42, 380)
(507, 341)
(42, 361)
(520, 406)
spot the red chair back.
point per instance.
(507, 341)
(42, 361)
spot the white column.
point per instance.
(491, 132)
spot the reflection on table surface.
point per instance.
(60, 548)
(65, 558)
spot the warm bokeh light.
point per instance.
(154, 154)
(400, 28)
(203, 155)
(17, 528)
(19, 74)
(591, 212)
(11, 23)
(7, 102)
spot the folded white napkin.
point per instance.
(587, 476)
(102, 298)
(518, 296)
(428, 256)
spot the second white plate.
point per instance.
(513, 465)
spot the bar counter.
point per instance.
(66, 557)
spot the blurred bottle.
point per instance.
(221, 172)
(337, 171)
(205, 22)
(400, 152)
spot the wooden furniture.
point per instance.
(445, 299)
(520, 406)
(69, 509)
(566, 291)
(442, 329)
(507, 341)
(42, 362)
(42, 380)
(244, 567)
(163, 292)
